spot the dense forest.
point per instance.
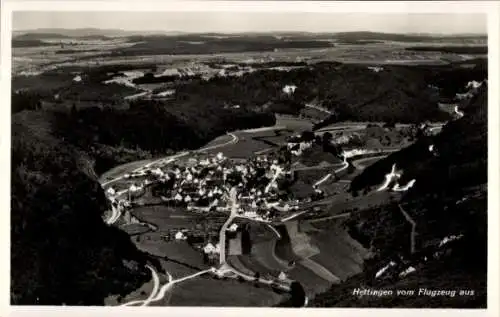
(62, 252)
(151, 126)
(195, 44)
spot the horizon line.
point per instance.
(249, 31)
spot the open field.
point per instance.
(176, 251)
(205, 291)
(374, 53)
(265, 252)
(244, 148)
(341, 255)
(311, 282)
(165, 217)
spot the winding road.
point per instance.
(158, 294)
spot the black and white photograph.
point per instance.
(239, 158)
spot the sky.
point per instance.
(228, 22)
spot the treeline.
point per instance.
(29, 43)
(466, 49)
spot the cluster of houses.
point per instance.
(203, 184)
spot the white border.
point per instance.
(491, 8)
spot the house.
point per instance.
(376, 69)
(282, 276)
(473, 84)
(180, 236)
(134, 188)
(211, 249)
(158, 172)
(289, 89)
(111, 191)
(233, 227)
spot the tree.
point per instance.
(308, 136)
(327, 137)
(256, 276)
(389, 124)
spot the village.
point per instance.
(201, 185)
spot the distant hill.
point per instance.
(88, 32)
(365, 35)
(38, 36)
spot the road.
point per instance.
(156, 287)
(157, 295)
(357, 164)
(318, 108)
(222, 233)
(320, 270)
(345, 214)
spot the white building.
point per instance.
(157, 172)
(289, 89)
(211, 249)
(376, 69)
(111, 191)
(134, 188)
(409, 270)
(233, 227)
(180, 236)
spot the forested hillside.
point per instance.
(62, 252)
(449, 199)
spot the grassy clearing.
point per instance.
(245, 148)
(300, 242)
(312, 283)
(254, 265)
(265, 253)
(235, 262)
(165, 218)
(294, 123)
(175, 251)
(340, 254)
(207, 291)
